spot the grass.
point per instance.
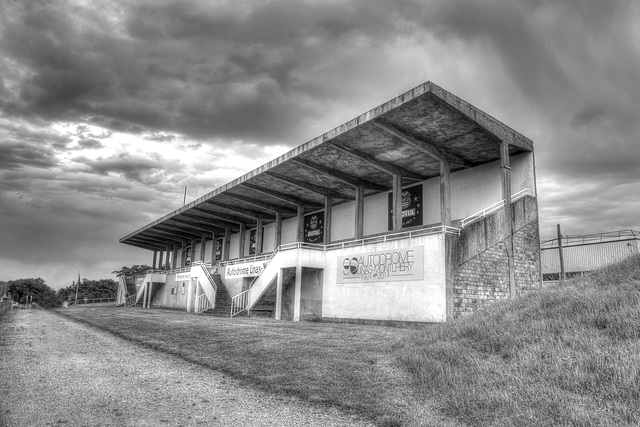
(567, 355)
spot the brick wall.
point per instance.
(481, 263)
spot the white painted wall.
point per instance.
(234, 245)
(420, 300)
(343, 221)
(290, 230)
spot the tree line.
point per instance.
(37, 291)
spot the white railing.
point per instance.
(203, 302)
(130, 300)
(239, 302)
(207, 273)
(495, 207)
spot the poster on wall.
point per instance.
(314, 228)
(253, 237)
(218, 249)
(411, 199)
(391, 265)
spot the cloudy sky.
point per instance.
(109, 109)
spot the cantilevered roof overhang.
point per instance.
(408, 136)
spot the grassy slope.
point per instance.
(568, 355)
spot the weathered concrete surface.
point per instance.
(59, 372)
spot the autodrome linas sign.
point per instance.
(382, 266)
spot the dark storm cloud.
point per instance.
(16, 155)
(90, 143)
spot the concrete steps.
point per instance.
(223, 300)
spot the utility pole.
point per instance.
(184, 200)
(561, 255)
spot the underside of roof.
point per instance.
(408, 136)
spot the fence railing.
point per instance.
(203, 302)
(93, 300)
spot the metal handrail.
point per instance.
(495, 207)
(239, 302)
(203, 302)
(130, 300)
(207, 273)
(587, 239)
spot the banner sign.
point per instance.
(391, 265)
(411, 207)
(314, 228)
(218, 249)
(183, 277)
(247, 269)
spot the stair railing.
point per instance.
(239, 302)
(130, 300)
(203, 302)
(495, 207)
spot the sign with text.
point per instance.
(411, 199)
(246, 269)
(391, 265)
(314, 228)
(183, 277)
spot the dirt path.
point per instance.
(54, 371)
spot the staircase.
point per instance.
(222, 306)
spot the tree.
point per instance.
(92, 289)
(135, 270)
(42, 294)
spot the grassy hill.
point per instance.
(567, 355)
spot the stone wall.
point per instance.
(485, 268)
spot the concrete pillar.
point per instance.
(506, 173)
(213, 247)
(359, 230)
(445, 193)
(159, 260)
(397, 203)
(144, 294)
(167, 266)
(189, 294)
(203, 246)
(243, 232)
(300, 223)
(226, 244)
(278, 229)
(153, 264)
(184, 253)
(279, 294)
(150, 293)
(259, 237)
(297, 292)
(328, 206)
(175, 256)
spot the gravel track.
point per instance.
(54, 371)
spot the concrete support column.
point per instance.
(279, 294)
(506, 173)
(193, 251)
(175, 257)
(153, 264)
(278, 229)
(445, 193)
(150, 293)
(297, 291)
(144, 294)
(159, 261)
(359, 230)
(300, 223)
(397, 203)
(167, 266)
(184, 253)
(259, 237)
(189, 294)
(213, 247)
(243, 232)
(328, 205)
(226, 243)
(203, 246)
